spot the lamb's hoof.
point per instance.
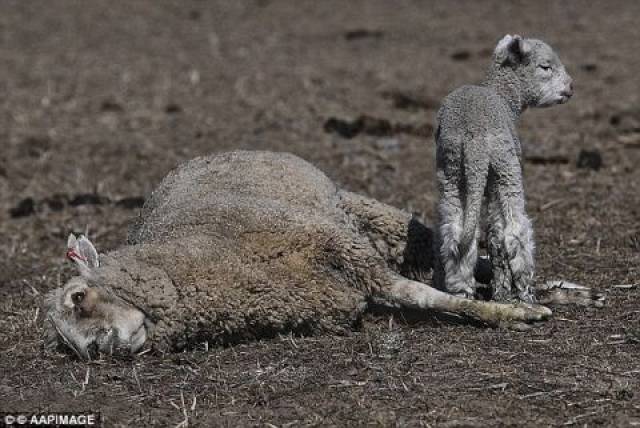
(568, 293)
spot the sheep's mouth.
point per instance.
(105, 341)
(65, 339)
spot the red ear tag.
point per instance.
(72, 255)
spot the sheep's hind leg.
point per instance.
(567, 293)
(550, 293)
(415, 294)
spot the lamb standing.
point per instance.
(246, 245)
(478, 154)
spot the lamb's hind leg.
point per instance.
(453, 264)
(418, 295)
(499, 274)
(550, 293)
(512, 238)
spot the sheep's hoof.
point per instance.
(534, 313)
(517, 326)
(526, 316)
(568, 293)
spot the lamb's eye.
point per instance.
(544, 67)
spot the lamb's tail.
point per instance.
(476, 169)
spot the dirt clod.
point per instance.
(25, 207)
(363, 34)
(407, 101)
(461, 55)
(589, 159)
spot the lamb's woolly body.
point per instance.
(248, 244)
(478, 154)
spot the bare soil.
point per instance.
(101, 99)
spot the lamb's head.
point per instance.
(542, 78)
(87, 317)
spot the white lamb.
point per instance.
(479, 155)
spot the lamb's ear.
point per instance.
(512, 50)
(82, 252)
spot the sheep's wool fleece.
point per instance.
(239, 246)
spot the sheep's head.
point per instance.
(87, 317)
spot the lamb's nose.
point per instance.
(569, 93)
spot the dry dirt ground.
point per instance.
(101, 99)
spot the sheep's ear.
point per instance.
(512, 50)
(82, 252)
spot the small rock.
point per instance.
(589, 67)
(343, 128)
(35, 146)
(173, 108)
(56, 202)
(375, 126)
(363, 34)
(614, 120)
(130, 202)
(461, 55)
(25, 208)
(110, 105)
(88, 199)
(407, 101)
(547, 160)
(590, 159)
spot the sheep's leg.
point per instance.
(551, 293)
(407, 246)
(418, 295)
(363, 267)
(567, 293)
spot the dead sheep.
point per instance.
(246, 245)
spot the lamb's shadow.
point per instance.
(418, 263)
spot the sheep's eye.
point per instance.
(77, 297)
(545, 67)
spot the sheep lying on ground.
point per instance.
(247, 245)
